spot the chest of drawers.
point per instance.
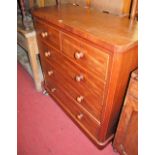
(86, 58)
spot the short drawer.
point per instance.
(92, 59)
(79, 115)
(47, 33)
(49, 53)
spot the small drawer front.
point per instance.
(47, 34)
(21, 40)
(49, 53)
(92, 59)
(79, 115)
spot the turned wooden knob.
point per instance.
(44, 34)
(53, 90)
(47, 54)
(79, 78)
(80, 99)
(50, 72)
(80, 116)
(79, 55)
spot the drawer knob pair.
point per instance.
(44, 34)
(79, 78)
(50, 72)
(80, 99)
(53, 90)
(79, 55)
(80, 116)
(47, 54)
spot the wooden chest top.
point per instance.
(112, 32)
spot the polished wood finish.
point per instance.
(59, 94)
(86, 56)
(89, 63)
(92, 25)
(49, 34)
(94, 87)
(126, 138)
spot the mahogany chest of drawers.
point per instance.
(86, 58)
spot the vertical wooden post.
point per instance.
(22, 6)
(32, 48)
(88, 3)
(134, 9)
(126, 4)
(56, 2)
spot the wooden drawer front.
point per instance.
(49, 53)
(21, 40)
(81, 95)
(48, 34)
(82, 80)
(72, 71)
(79, 115)
(92, 59)
(90, 88)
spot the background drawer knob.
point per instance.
(80, 116)
(80, 99)
(53, 90)
(79, 55)
(47, 54)
(50, 72)
(78, 78)
(44, 34)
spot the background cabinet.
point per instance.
(126, 139)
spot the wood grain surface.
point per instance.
(87, 64)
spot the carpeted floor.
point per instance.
(44, 129)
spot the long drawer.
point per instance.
(84, 98)
(87, 92)
(48, 33)
(78, 114)
(92, 59)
